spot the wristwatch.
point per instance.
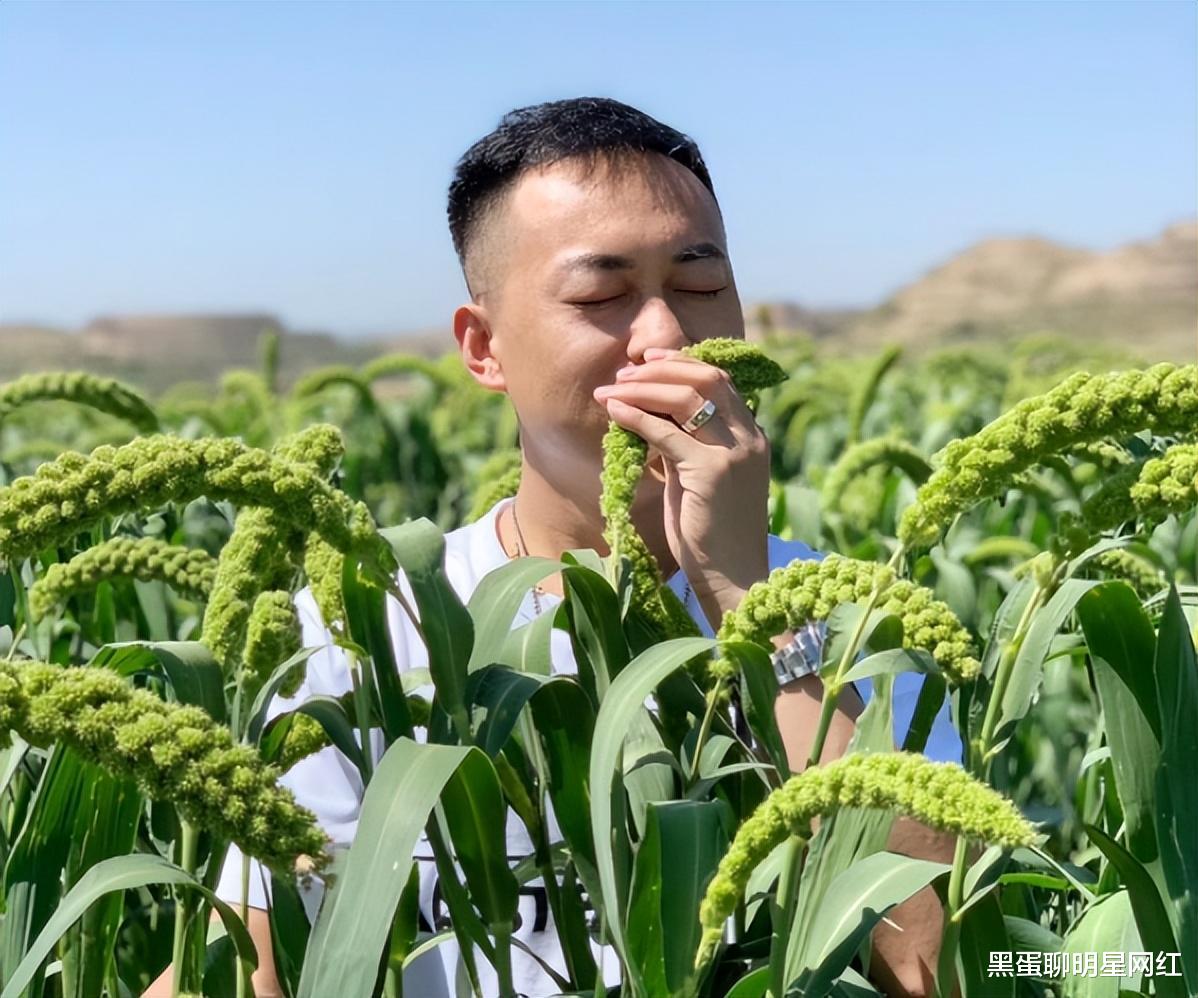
(802, 656)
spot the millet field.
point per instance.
(1019, 527)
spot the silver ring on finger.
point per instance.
(700, 417)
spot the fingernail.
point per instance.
(603, 391)
(625, 372)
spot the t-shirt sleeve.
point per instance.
(944, 743)
(326, 782)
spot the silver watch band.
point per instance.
(802, 656)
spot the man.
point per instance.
(594, 250)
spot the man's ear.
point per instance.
(472, 329)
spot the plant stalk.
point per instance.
(946, 965)
(503, 958)
(713, 699)
(833, 686)
(362, 710)
(182, 953)
(787, 899)
(245, 988)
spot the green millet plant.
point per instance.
(272, 636)
(173, 752)
(497, 478)
(305, 736)
(890, 452)
(75, 492)
(322, 378)
(807, 590)
(1140, 573)
(624, 455)
(323, 565)
(102, 394)
(189, 571)
(939, 794)
(1169, 483)
(441, 373)
(265, 549)
(1081, 409)
(867, 391)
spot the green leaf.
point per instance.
(927, 706)
(447, 626)
(194, 674)
(256, 726)
(565, 721)
(118, 874)
(336, 723)
(600, 647)
(855, 902)
(528, 648)
(1031, 937)
(1151, 918)
(643, 925)
(1176, 789)
(1106, 926)
(347, 940)
(503, 694)
(477, 818)
(1029, 663)
(366, 621)
(759, 693)
(1121, 643)
(982, 932)
(624, 699)
(694, 837)
(495, 601)
(891, 662)
(289, 930)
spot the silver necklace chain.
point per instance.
(537, 590)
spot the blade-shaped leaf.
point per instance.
(1176, 789)
(347, 940)
(476, 815)
(118, 874)
(624, 699)
(1122, 646)
(854, 903)
(1151, 918)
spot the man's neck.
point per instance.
(558, 517)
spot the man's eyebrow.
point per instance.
(610, 261)
(699, 251)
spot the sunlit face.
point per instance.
(591, 272)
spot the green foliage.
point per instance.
(1074, 696)
(1083, 408)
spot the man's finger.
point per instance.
(675, 444)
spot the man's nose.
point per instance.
(655, 325)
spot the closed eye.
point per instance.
(705, 294)
(592, 304)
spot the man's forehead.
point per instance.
(576, 213)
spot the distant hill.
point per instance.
(156, 351)
(1143, 296)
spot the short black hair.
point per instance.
(586, 128)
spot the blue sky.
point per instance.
(294, 157)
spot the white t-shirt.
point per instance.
(328, 784)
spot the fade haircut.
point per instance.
(586, 129)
